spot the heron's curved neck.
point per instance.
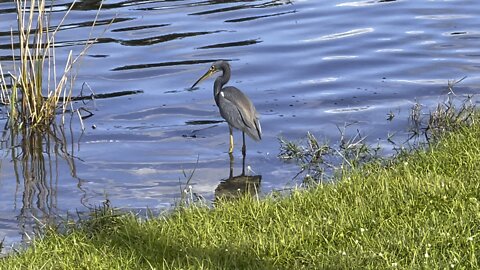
(221, 80)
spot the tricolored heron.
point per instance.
(235, 107)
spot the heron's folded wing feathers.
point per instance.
(239, 111)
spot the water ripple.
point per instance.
(346, 34)
(364, 3)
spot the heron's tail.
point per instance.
(255, 132)
(258, 127)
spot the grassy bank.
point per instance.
(420, 211)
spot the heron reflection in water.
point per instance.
(235, 187)
(235, 107)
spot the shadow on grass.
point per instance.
(171, 251)
(155, 243)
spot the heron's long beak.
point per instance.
(205, 76)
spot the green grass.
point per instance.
(422, 211)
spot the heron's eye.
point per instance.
(212, 68)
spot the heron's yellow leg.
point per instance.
(230, 150)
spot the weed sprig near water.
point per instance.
(418, 211)
(320, 162)
(447, 116)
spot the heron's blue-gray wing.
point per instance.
(239, 112)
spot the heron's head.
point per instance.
(214, 68)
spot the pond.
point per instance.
(307, 65)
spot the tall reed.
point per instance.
(35, 91)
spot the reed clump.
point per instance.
(35, 90)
